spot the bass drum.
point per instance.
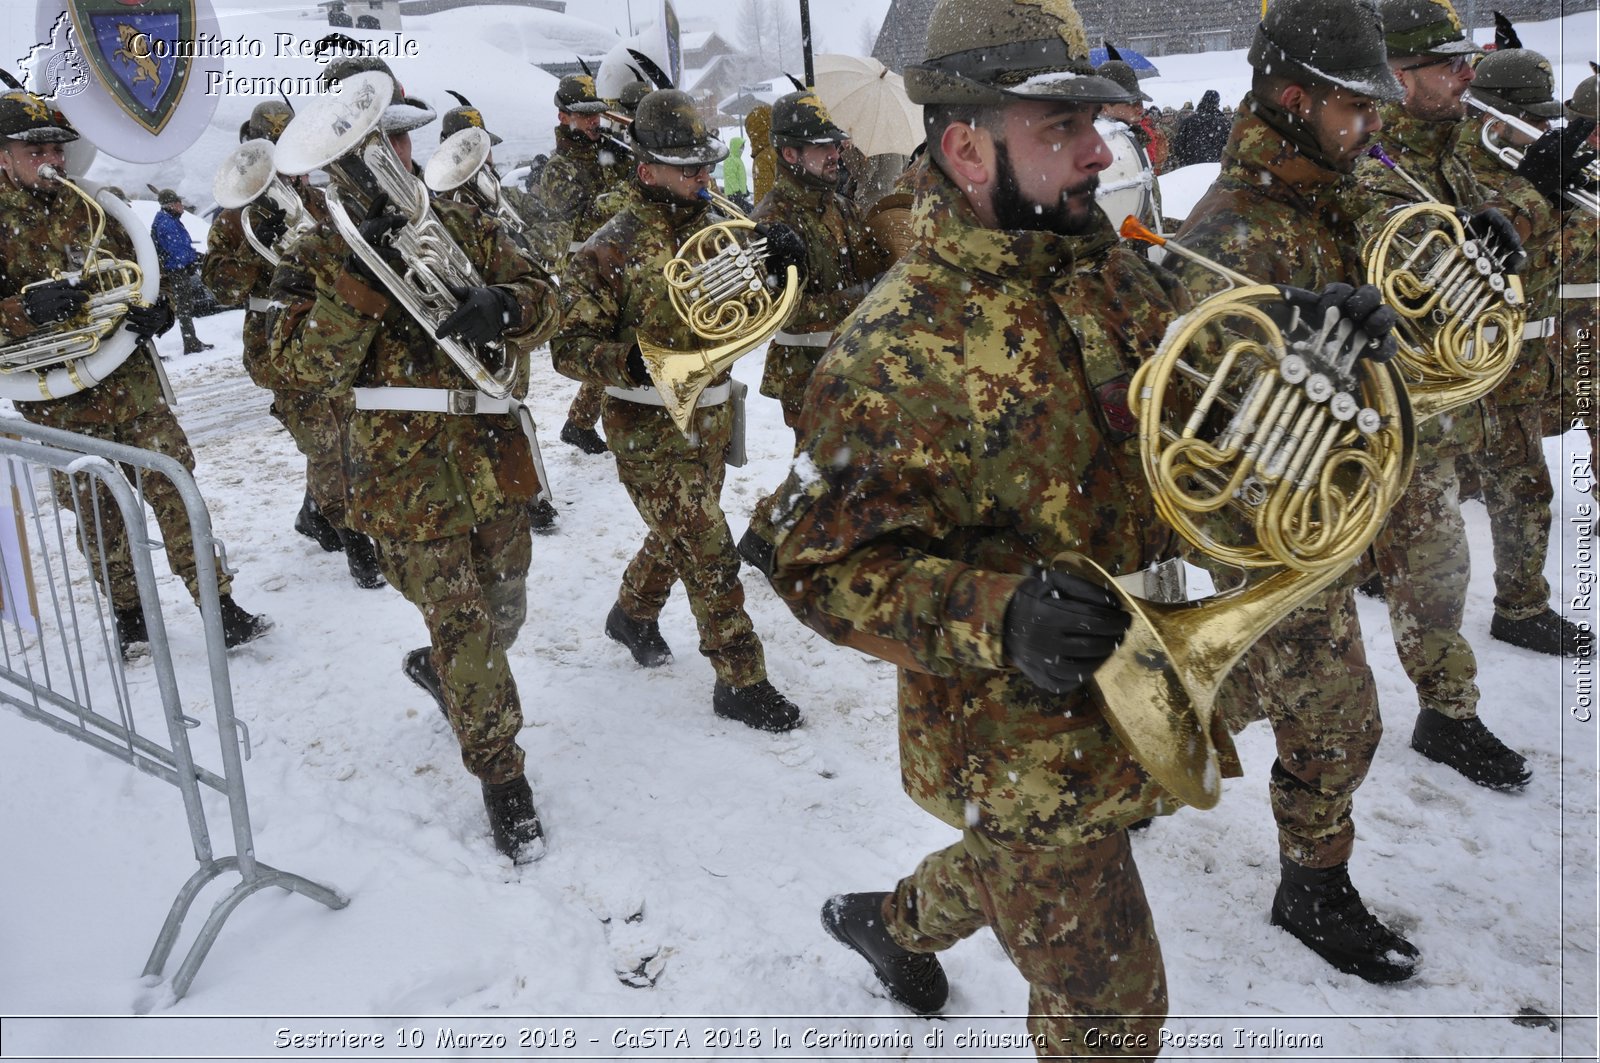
(1128, 185)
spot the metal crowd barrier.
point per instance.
(61, 662)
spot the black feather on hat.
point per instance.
(648, 65)
(1505, 34)
(1111, 51)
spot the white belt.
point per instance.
(803, 339)
(574, 247)
(1532, 330)
(649, 396)
(432, 400)
(259, 306)
(1578, 291)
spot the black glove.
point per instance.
(636, 369)
(784, 247)
(377, 229)
(1059, 629)
(152, 320)
(1372, 323)
(271, 226)
(1498, 236)
(1556, 160)
(486, 313)
(52, 302)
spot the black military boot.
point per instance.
(419, 668)
(313, 525)
(1470, 748)
(361, 558)
(132, 636)
(513, 820)
(758, 705)
(1548, 632)
(1319, 906)
(914, 979)
(756, 552)
(642, 637)
(585, 439)
(542, 516)
(238, 626)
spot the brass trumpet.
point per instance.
(717, 284)
(1461, 311)
(1511, 156)
(1275, 449)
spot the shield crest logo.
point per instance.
(140, 52)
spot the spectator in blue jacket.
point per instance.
(180, 266)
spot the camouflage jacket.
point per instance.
(236, 272)
(1427, 151)
(577, 173)
(1532, 379)
(413, 476)
(1579, 303)
(843, 258)
(41, 232)
(969, 422)
(613, 294)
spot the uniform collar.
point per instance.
(1253, 147)
(1431, 140)
(945, 227)
(806, 192)
(570, 142)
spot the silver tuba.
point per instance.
(82, 350)
(340, 133)
(462, 164)
(247, 174)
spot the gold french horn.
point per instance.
(1265, 451)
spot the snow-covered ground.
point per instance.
(727, 840)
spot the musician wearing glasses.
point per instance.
(44, 229)
(1275, 214)
(613, 294)
(441, 474)
(238, 273)
(1422, 552)
(1515, 481)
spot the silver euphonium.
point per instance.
(340, 133)
(1511, 156)
(248, 174)
(462, 165)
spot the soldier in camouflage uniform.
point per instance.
(443, 493)
(238, 274)
(1511, 467)
(579, 172)
(968, 424)
(43, 230)
(1275, 215)
(614, 293)
(1422, 551)
(1578, 295)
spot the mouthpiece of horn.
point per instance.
(1133, 230)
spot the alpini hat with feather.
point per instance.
(1332, 42)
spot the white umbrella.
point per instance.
(870, 103)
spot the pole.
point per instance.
(805, 41)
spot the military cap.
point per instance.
(668, 129)
(167, 196)
(634, 91)
(466, 117)
(24, 116)
(1518, 81)
(1123, 74)
(1339, 42)
(267, 121)
(1585, 102)
(1001, 51)
(801, 118)
(403, 114)
(1424, 27)
(576, 95)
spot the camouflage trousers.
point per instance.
(103, 537)
(585, 409)
(689, 540)
(315, 424)
(1517, 490)
(1309, 675)
(1074, 921)
(473, 593)
(786, 375)
(1423, 558)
